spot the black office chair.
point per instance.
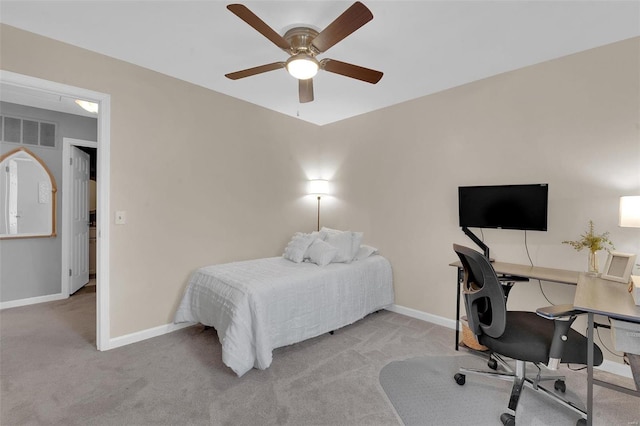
(538, 337)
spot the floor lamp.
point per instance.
(319, 187)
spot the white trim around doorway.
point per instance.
(103, 340)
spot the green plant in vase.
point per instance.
(594, 242)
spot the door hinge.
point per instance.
(70, 274)
(71, 161)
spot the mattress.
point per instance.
(263, 304)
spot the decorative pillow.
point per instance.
(356, 240)
(298, 246)
(321, 253)
(347, 243)
(364, 252)
(342, 242)
(325, 231)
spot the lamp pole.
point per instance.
(318, 213)
(318, 187)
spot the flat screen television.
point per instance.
(504, 206)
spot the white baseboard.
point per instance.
(608, 366)
(139, 336)
(32, 300)
(413, 313)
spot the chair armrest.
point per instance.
(562, 316)
(558, 312)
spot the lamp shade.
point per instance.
(318, 186)
(630, 211)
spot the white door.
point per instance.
(79, 256)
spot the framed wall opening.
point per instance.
(20, 81)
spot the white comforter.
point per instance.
(259, 305)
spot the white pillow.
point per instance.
(342, 242)
(365, 251)
(298, 246)
(347, 243)
(324, 231)
(321, 253)
(356, 240)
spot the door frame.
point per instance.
(67, 201)
(103, 340)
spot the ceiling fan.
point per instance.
(304, 43)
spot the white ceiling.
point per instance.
(422, 47)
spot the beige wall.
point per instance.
(205, 178)
(571, 122)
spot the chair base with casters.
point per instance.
(520, 380)
(540, 338)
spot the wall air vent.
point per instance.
(27, 132)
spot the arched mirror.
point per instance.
(28, 201)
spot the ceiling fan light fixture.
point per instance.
(302, 66)
(88, 106)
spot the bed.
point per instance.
(263, 304)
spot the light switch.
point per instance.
(121, 218)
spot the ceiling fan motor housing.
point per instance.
(300, 39)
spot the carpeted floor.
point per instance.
(51, 373)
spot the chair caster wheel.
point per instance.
(460, 378)
(508, 419)
(581, 422)
(560, 385)
(492, 364)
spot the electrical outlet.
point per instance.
(121, 218)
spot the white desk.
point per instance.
(563, 276)
(609, 298)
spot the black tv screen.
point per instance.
(504, 206)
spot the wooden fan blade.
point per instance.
(255, 70)
(350, 70)
(350, 20)
(259, 25)
(305, 90)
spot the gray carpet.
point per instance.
(52, 374)
(423, 392)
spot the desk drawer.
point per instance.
(626, 336)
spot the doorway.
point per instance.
(103, 340)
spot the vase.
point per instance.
(593, 268)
